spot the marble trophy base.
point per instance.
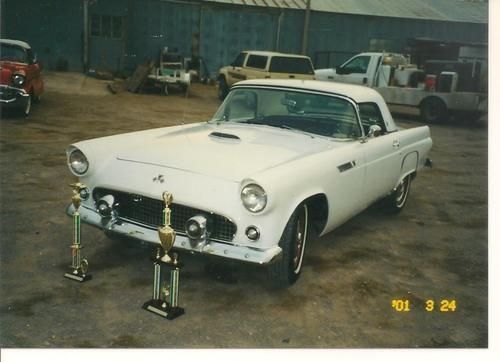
(163, 309)
(78, 276)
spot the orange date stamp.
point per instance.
(430, 305)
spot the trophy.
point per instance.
(158, 304)
(78, 264)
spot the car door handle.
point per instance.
(346, 166)
(395, 143)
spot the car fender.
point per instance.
(408, 166)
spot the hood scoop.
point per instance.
(227, 136)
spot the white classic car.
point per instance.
(278, 157)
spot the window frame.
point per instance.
(264, 58)
(345, 65)
(378, 114)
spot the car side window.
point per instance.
(238, 62)
(357, 65)
(370, 115)
(257, 61)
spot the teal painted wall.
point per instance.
(215, 32)
(53, 28)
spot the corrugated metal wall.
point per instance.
(333, 38)
(225, 32)
(217, 32)
(153, 25)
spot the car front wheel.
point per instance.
(27, 107)
(286, 271)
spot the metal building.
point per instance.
(119, 34)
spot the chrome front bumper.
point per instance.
(225, 250)
(11, 96)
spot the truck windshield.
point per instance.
(316, 114)
(13, 53)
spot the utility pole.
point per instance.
(85, 35)
(305, 33)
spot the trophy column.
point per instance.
(158, 304)
(79, 265)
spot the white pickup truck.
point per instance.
(401, 83)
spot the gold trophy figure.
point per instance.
(78, 264)
(158, 304)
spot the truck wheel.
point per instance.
(286, 271)
(396, 201)
(223, 89)
(433, 110)
(185, 89)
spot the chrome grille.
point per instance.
(148, 211)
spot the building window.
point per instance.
(106, 26)
(117, 26)
(95, 25)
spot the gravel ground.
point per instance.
(437, 248)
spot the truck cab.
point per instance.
(362, 69)
(437, 93)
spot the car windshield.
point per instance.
(313, 113)
(13, 53)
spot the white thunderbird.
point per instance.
(278, 157)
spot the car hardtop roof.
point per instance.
(18, 43)
(269, 53)
(358, 93)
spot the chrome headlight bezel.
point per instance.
(18, 80)
(78, 162)
(254, 198)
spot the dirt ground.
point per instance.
(437, 249)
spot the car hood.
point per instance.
(8, 68)
(230, 151)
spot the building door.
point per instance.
(106, 43)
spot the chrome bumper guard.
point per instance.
(9, 95)
(182, 242)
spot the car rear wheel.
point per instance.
(396, 201)
(286, 271)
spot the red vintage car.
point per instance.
(21, 81)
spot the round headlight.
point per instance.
(254, 198)
(18, 80)
(78, 162)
